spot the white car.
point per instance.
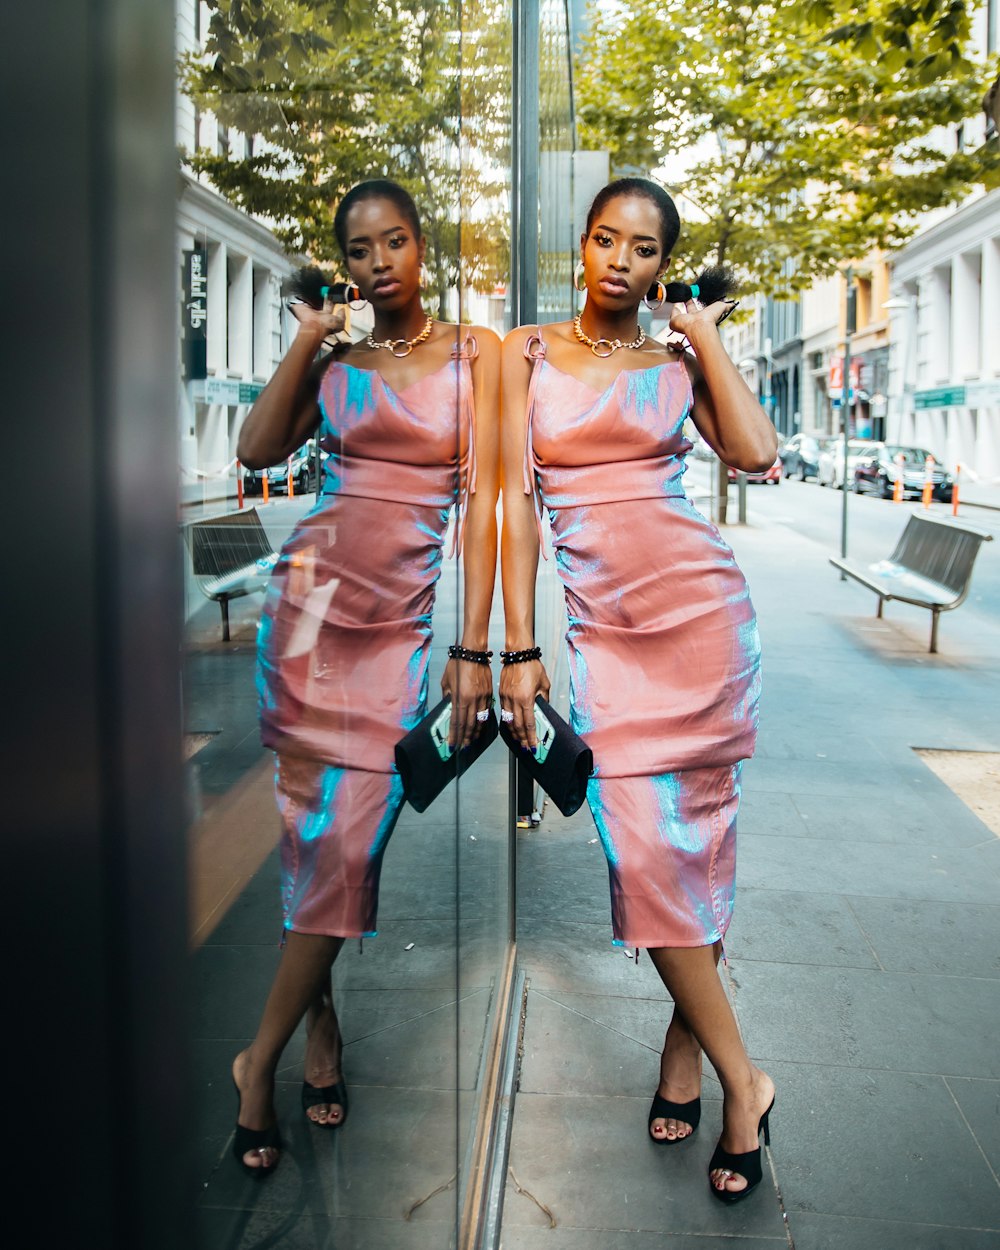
(831, 460)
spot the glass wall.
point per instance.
(320, 602)
(270, 566)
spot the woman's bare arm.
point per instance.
(520, 684)
(725, 410)
(287, 409)
(471, 685)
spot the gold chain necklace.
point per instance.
(604, 347)
(403, 347)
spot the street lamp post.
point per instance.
(851, 322)
(768, 370)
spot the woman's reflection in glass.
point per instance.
(408, 418)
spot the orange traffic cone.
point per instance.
(928, 481)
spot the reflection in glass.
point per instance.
(285, 112)
(484, 901)
(557, 147)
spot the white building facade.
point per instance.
(231, 275)
(944, 380)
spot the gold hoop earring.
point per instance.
(425, 277)
(578, 273)
(355, 299)
(661, 295)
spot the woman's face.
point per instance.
(622, 254)
(383, 254)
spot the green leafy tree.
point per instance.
(805, 130)
(334, 93)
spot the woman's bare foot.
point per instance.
(256, 1091)
(742, 1110)
(680, 1079)
(324, 1047)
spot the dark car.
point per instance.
(800, 456)
(878, 473)
(773, 474)
(303, 468)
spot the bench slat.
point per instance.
(931, 567)
(224, 544)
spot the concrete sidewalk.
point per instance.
(864, 960)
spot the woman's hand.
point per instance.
(322, 323)
(690, 318)
(520, 686)
(470, 688)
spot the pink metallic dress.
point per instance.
(345, 633)
(664, 656)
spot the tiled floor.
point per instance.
(864, 961)
(414, 1003)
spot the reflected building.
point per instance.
(233, 331)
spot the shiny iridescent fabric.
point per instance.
(345, 634)
(664, 656)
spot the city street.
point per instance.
(873, 525)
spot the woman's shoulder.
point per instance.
(516, 340)
(487, 341)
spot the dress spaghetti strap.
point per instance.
(463, 353)
(535, 351)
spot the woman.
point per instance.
(405, 415)
(662, 637)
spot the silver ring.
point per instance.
(483, 714)
(506, 716)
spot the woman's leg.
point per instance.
(693, 983)
(324, 1048)
(680, 1072)
(302, 976)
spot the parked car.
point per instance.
(800, 456)
(879, 471)
(773, 474)
(831, 459)
(303, 473)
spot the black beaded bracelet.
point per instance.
(455, 652)
(521, 657)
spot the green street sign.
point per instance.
(249, 391)
(940, 397)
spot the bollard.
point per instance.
(239, 485)
(291, 484)
(265, 483)
(928, 481)
(954, 491)
(897, 486)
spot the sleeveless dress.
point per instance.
(345, 633)
(664, 655)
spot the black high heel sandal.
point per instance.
(664, 1109)
(747, 1164)
(255, 1140)
(314, 1095)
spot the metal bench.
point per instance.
(931, 567)
(231, 556)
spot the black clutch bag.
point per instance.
(424, 762)
(562, 763)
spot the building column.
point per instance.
(989, 358)
(240, 315)
(965, 300)
(217, 302)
